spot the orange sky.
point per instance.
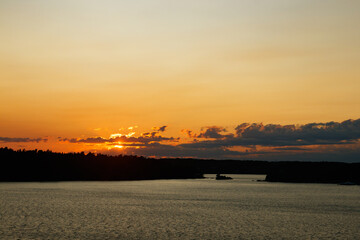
(80, 69)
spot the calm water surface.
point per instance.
(179, 209)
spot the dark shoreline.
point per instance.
(47, 166)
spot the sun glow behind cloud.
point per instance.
(118, 146)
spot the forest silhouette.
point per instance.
(39, 165)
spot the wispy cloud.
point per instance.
(123, 139)
(18, 140)
(163, 150)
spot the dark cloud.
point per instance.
(313, 141)
(162, 150)
(308, 134)
(342, 154)
(328, 155)
(17, 140)
(346, 132)
(291, 149)
(160, 129)
(149, 134)
(214, 132)
(86, 140)
(144, 139)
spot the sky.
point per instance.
(223, 79)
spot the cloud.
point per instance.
(120, 138)
(160, 129)
(214, 132)
(291, 149)
(328, 153)
(246, 141)
(246, 134)
(162, 150)
(208, 132)
(86, 140)
(188, 133)
(17, 140)
(311, 133)
(144, 139)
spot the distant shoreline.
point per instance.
(47, 166)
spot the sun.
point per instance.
(119, 146)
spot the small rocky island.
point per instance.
(222, 177)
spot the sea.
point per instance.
(242, 208)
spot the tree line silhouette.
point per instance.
(39, 165)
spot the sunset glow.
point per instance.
(205, 79)
(188, 119)
(118, 146)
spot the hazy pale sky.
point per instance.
(77, 68)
